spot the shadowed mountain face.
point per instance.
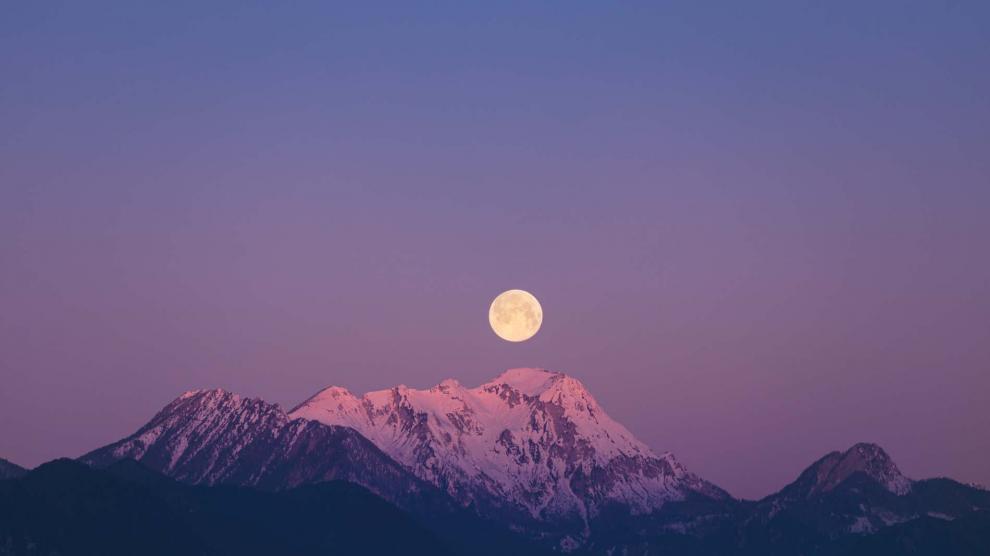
(10, 470)
(67, 508)
(532, 452)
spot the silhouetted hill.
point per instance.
(9, 470)
(67, 508)
(925, 536)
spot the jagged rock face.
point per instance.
(861, 458)
(836, 467)
(861, 484)
(215, 437)
(530, 438)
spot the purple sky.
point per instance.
(759, 233)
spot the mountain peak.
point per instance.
(548, 386)
(863, 457)
(868, 451)
(336, 393)
(528, 381)
(218, 437)
(208, 394)
(447, 386)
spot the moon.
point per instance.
(515, 315)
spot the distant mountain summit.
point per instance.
(827, 473)
(530, 438)
(848, 494)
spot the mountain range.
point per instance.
(530, 462)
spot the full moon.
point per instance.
(515, 315)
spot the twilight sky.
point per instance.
(759, 231)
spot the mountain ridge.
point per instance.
(217, 437)
(534, 437)
(414, 448)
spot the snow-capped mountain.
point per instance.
(530, 438)
(531, 450)
(215, 437)
(534, 453)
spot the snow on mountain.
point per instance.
(532, 438)
(215, 437)
(532, 451)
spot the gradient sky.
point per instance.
(759, 231)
